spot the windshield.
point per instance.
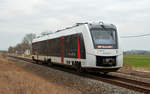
(104, 38)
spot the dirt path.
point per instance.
(15, 80)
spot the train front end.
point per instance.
(105, 54)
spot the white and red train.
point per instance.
(91, 46)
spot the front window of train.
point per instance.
(104, 38)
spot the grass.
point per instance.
(15, 80)
(137, 60)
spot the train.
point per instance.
(91, 46)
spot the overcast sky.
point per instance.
(20, 17)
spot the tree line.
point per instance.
(25, 45)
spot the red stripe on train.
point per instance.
(78, 53)
(62, 50)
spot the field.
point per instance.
(137, 60)
(16, 80)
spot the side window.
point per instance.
(70, 46)
(34, 48)
(82, 46)
(41, 47)
(57, 47)
(54, 47)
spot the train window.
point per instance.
(53, 47)
(82, 46)
(104, 38)
(34, 48)
(42, 47)
(70, 46)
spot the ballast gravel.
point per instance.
(68, 80)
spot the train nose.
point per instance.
(106, 61)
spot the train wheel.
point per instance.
(49, 62)
(105, 73)
(78, 67)
(80, 70)
(36, 61)
(40, 62)
(45, 62)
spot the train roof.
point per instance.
(92, 25)
(101, 25)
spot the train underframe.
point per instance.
(105, 68)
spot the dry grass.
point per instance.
(15, 80)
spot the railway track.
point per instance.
(135, 85)
(135, 73)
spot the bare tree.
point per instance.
(28, 38)
(26, 44)
(11, 49)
